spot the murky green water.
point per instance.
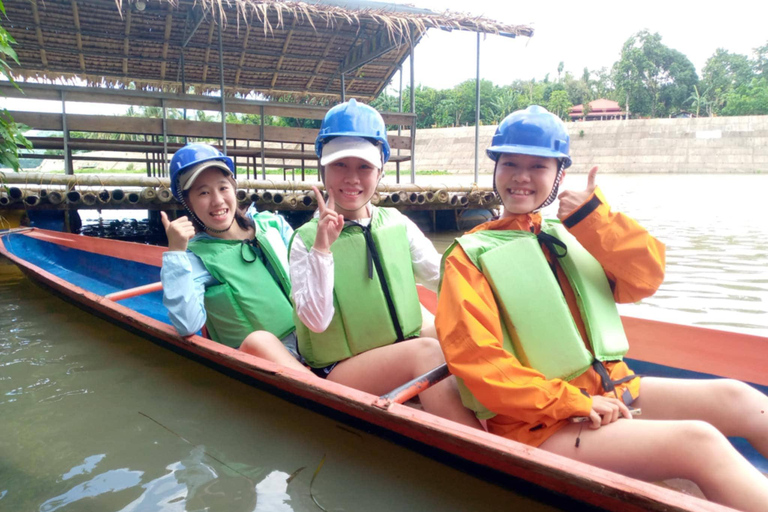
(93, 418)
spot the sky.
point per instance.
(582, 34)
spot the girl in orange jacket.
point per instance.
(531, 153)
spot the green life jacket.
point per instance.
(536, 322)
(374, 290)
(254, 293)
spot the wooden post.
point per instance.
(477, 111)
(163, 170)
(68, 168)
(221, 80)
(413, 111)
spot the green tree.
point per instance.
(761, 61)
(748, 99)
(722, 73)
(559, 104)
(505, 102)
(654, 78)
(11, 132)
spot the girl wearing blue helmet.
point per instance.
(223, 269)
(527, 320)
(354, 268)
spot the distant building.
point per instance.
(599, 110)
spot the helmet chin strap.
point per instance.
(555, 186)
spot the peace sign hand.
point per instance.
(329, 225)
(571, 200)
(179, 232)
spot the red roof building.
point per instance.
(599, 110)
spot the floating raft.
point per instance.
(35, 190)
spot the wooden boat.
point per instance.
(114, 280)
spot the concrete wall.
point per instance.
(702, 145)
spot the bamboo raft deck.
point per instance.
(95, 191)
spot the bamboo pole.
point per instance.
(148, 194)
(118, 196)
(164, 195)
(146, 181)
(89, 198)
(73, 197)
(54, 197)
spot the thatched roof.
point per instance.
(273, 47)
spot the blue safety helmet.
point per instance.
(353, 119)
(533, 131)
(188, 157)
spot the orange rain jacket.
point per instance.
(529, 407)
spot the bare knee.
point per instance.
(695, 445)
(255, 342)
(734, 392)
(428, 350)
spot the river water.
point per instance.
(96, 419)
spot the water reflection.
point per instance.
(109, 482)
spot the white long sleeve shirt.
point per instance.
(312, 275)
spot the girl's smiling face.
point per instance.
(524, 182)
(212, 199)
(351, 182)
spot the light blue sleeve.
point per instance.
(286, 231)
(185, 279)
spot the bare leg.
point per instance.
(659, 450)
(734, 408)
(265, 345)
(382, 369)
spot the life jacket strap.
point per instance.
(610, 385)
(556, 248)
(257, 250)
(374, 261)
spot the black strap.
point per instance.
(375, 261)
(610, 385)
(582, 212)
(260, 253)
(556, 247)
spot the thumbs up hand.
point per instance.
(178, 231)
(571, 200)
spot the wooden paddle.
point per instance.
(412, 388)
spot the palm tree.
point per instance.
(505, 103)
(698, 101)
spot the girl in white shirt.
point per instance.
(353, 271)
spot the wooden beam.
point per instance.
(244, 52)
(208, 51)
(166, 38)
(174, 127)
(126, 41)
(39, 33)
(368, 50)
(189, 62)
(320, 62)
(283, 52)
(78, 36)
